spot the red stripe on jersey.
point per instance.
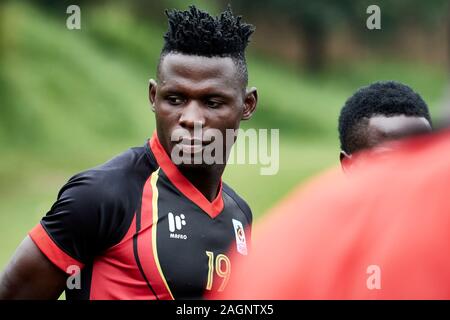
(213, 209)
(49, 248)
(115, 275)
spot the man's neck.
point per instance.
(206, 180)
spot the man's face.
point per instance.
(378, 139)
(195, 91)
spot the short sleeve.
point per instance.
(85, 220)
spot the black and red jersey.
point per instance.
(138, 229)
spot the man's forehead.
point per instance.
(196, 67)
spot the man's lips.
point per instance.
(192, 146)
(193, 142)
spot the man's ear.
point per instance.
(152, 85)
(250, 101)
(346, 160)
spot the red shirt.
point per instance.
(380, 233)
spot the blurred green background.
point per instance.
(72, 99)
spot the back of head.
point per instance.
(384, 98)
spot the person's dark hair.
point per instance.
(196, 32)
(387, 98)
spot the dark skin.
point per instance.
(191, 90)
(30, 275)
(202, 90)
(380, 134)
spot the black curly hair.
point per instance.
(387, 98)
(196, 32)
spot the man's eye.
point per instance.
(174, 100)
(213, 104)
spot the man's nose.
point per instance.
(192, 115)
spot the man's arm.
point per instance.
(30, 275)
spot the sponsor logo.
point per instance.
(176, 223)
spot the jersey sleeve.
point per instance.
(84, 221)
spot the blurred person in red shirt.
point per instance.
(380, 233)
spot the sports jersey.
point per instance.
(379, 233)
(138, 229)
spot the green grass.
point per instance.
(70, 100)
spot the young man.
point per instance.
(376, 114)
(140, 226)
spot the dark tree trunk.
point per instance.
(314, 41)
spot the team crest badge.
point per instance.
(240, 237)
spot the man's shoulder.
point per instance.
(116, 176)
(134, 160)
(241, 203)
(95, 207)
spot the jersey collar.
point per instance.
(213, 209)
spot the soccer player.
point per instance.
(140, 226)
(377, 115)
(384, 234)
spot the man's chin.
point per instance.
(191, 166)
(197, 161)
